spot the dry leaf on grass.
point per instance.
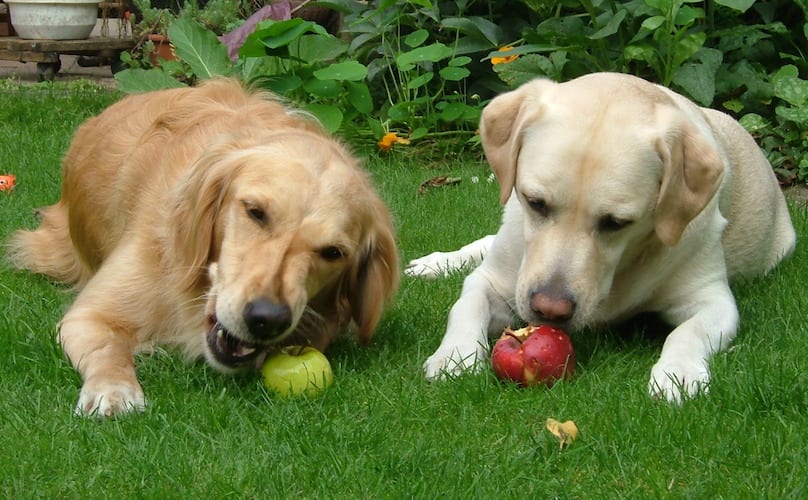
(439, 181)
(566, 432)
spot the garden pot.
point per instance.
(53, 19)
(162, 49)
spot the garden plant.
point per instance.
(423, 70)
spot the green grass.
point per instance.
(382, 431)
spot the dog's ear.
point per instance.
(692, 170)
(501, 128)
(373, 277)
(198, 200)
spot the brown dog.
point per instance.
(213, 219)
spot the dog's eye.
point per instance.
(256, 213)
(611, 224)
(539, 206)
(331, 253)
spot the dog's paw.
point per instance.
(455, 360)
(109, 398)
(434, 265)
(675, 380)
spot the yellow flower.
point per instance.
(506, 59)
(390, 138)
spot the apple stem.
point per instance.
(511, 334)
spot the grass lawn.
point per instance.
(383, 431)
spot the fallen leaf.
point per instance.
(566, 432)
(439, 181)
(7, 182)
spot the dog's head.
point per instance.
(286, 236)
(609, 171)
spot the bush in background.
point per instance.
(423, 70)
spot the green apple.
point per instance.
(295, 370)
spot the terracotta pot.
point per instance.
(163, 50)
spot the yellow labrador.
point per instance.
(213, 219)
(620, 197)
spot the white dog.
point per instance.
(620, 197)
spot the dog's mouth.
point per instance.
(230, 351)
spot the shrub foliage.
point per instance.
(423, 69)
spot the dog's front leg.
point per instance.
(104, 356)
(437, 264)
(706, 326)
(478, 311)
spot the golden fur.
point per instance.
(187, 212)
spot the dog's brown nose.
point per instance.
(552, 307)
(266, 319)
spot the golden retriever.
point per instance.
(213, 219)
(620, 197)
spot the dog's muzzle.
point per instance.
(229, 351)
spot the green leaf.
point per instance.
(734, 105)
(644, 53)
(419, 133)
(399, 112)
(420, 81)
(276, 34)
(375, 127)
(653, 23)
(319, 48)
(351, 71)
(611, 27)
(452, 111)
(359, 97)
(523, 49)
(416, 38)
(134, 81)
(687, 48)
(283, 84)
(789, 87)
(329, 116)
(697, 78)
(469, 45)
(253, 68)
(429, 53)
(460, 61)
(200, 48)
(754, 123)
(796, 115)
(476, 27)
(688, 15)
(660, 5)
(323, 88)
(526, 68)
(453, 74)
(739, 5)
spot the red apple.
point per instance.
(533, 355)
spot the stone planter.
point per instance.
(53, 19)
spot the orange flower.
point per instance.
(390, 138)
(506, 59)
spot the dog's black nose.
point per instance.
(266, 319)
